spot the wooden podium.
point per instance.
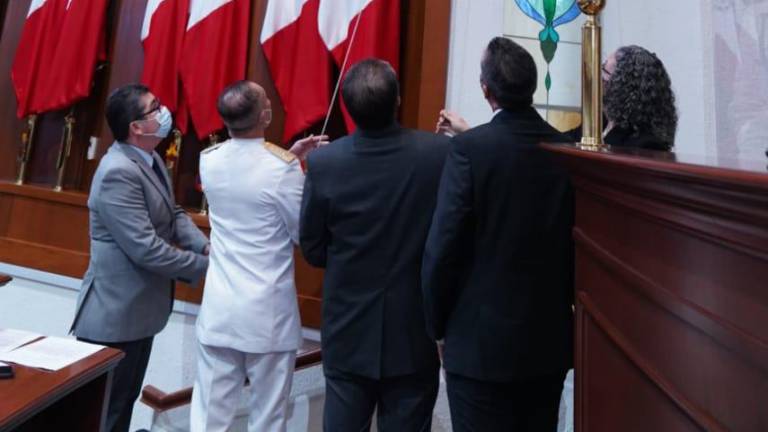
(71, 399)
(671, 291)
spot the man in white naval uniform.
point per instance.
(249, 322)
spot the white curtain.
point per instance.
(740, 67)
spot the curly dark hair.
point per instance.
(639, 96)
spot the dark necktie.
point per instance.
(159, 173)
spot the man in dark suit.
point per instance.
(497, 270)
(367, 205)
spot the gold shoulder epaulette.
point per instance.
(280, 152)
(212, 148)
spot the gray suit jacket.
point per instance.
(127, 292)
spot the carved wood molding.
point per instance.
(74, 198)
(724, 206)
(750, 348)
(715, 223)
(693, 411)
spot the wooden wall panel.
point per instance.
(3, 7)
(44, 230)
(672, 310)
(424, 55)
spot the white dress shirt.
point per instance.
(250, 296)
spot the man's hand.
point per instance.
(450, 123)
(303, 146)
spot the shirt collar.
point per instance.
(145, 155)
(247, 141)
(390, 130)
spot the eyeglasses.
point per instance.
(153, 107)
(606, 73)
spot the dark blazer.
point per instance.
(367, 205)
(498, 264)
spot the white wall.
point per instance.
(473, 24)
(677, 30)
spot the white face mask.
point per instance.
(165, 120)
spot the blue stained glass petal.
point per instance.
(563, 6)
(528, 9)
(569, 16)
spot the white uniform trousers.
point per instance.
(221, 374)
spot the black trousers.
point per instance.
(530, 405)
(126, 381)
(403, 403)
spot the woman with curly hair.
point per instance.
(639, 103)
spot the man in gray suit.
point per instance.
(141, 241)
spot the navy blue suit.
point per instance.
(498, 274)
(367, 206)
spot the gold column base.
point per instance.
(590, 143)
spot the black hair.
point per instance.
(370, 91)
(639, 97)
(124, 107)
(509, 73)
(239, 105)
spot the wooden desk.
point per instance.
(71, 399)
(671, 291)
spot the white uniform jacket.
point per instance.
(254, 192)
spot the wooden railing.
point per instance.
(307, 356)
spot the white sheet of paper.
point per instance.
(11, 339)
(51, 353)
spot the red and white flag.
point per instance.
(81, 45)
(162, 36)
(298, 61)
(215, 54)
(376, 35)
(32, 61)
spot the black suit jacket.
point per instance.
(367, 205)
(498, 265)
